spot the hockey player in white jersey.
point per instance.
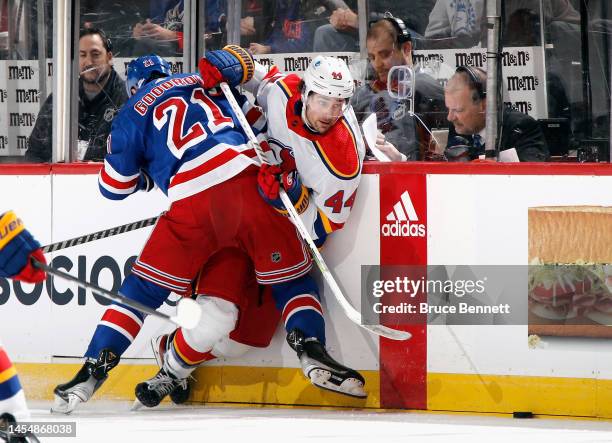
(317, 153)
(312, 131)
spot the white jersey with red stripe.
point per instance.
(185, 138)
(329, 164)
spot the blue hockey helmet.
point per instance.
(140, 71)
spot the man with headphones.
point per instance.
(101, 94)
(465, 96)
(401, 135)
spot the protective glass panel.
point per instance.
(111, 35)
(578, 79)
(25, 58)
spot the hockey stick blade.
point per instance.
(188, 312)
(348, 309)
(110, 232)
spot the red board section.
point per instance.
(48, 168)
(372, 167)
(403, 241)
(76, 168)
(32, 169)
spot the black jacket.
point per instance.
(519, 131)
(95, 119)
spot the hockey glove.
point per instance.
(231, 64)
(269, 180)
(17, 246)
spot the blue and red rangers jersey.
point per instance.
(185, 138)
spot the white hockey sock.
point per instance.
(16, 406)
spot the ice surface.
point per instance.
(113, 421)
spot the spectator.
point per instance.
(459, 22)
(465, 97)
(256, 21)
(293, 25)
(389, 44)
(342, 35)
(101, 94)
(163, 33)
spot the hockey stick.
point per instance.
(99, 235)
(187, 310)
(349, 310)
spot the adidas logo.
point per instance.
(402, 220)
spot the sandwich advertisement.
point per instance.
(570, 273)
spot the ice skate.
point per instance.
(87, 381)
(322, 370)
(8, 435)
(160, 346)
(151, 392)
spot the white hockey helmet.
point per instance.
(328, 76)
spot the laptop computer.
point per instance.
(557, 134)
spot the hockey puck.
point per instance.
(522, 414)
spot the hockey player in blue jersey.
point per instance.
(174, 134)
(17, 247)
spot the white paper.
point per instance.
(370, 129)
(508, 156)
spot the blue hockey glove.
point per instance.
(231, 64)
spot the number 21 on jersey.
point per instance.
(173, 111)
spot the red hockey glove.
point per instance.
(232, 64)
(29, 273)
(269, 180)
(211, 76)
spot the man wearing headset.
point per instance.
(465, 97)
(401, 135)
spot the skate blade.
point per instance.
(62, 406)
(351, 386)
(137, 406)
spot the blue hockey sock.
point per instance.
(299, 302)
(121, 324)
